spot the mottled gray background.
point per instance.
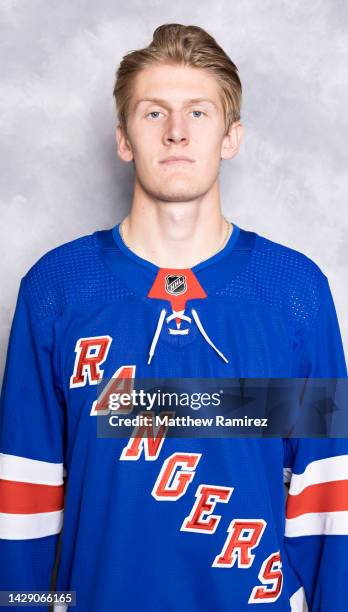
(61, 177)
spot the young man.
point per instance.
(155, 523)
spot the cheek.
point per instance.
(207, 136)
(143, 152)
(211, 154)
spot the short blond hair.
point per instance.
(187, 45)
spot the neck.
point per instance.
(175, 234)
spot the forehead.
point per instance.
(174, 84)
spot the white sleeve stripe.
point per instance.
(28, 526)
(298, 601)
(317, 523)
(317, 472)
(21, 469)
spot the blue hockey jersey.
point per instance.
(155, 523)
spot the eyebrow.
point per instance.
(165, 103)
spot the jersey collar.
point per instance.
(144, 262)
(139, 274)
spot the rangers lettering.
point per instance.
(87, 362)
(172, 484)
(207, 498)
(144, 437)
(270, 574)
(121, 382)
(238, 545)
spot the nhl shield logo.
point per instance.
(176, 284)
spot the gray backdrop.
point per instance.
(61, 177)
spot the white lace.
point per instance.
(179, 314)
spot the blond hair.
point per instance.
(187, 45)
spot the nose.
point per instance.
(176, 130)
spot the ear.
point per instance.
(232, 140)
(124, 147)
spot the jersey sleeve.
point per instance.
(31, 452)
(316, 474)
(316, 523)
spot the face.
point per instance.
(176, 111)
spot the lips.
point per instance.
(177, 160)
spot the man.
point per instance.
(175, 290)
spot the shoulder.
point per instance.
(288, 264)
(64, 254)
(71, 273)
(287, 279)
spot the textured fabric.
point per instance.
(130, 541)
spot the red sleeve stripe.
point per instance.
(28, 498)
(320, 471)
(325, 497)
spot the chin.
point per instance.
(173, 190)
(178, 191)
(176, 196)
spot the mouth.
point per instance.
(182, 161)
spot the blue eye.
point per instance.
(153, 113)
(198, 111)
